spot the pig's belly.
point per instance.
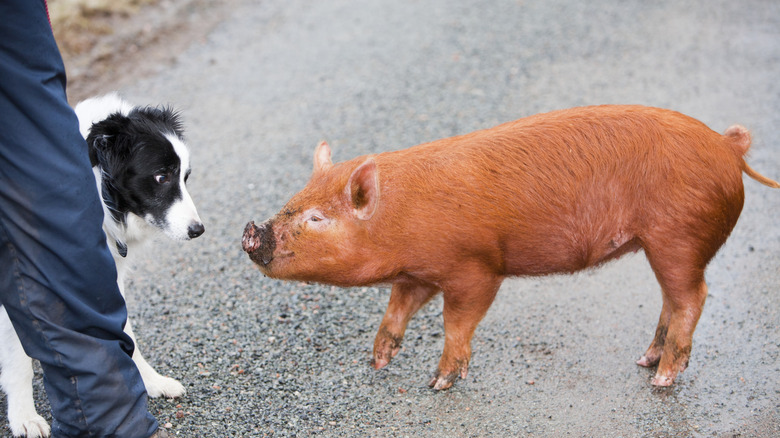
(563, 254)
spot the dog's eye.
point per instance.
(162, 178)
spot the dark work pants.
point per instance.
(57, 277)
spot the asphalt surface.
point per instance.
(554, 356)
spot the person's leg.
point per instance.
(58, 281)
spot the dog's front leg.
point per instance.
(16, 379)
(156, 384)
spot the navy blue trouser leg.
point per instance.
(57, 277)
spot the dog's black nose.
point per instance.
(195, 230)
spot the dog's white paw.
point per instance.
(160, 386)
(31, 426)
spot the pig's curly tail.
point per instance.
(740, 138)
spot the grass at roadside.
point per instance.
(78, 24)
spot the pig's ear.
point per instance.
(322, 157)
(363, 190)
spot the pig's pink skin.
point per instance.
(551, 193)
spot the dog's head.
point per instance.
(144, 165)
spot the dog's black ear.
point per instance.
(106, 140)
(96, 147)
(164, 118)
(172, 118)
(108, 147)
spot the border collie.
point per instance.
(141, 165)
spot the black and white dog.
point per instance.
(141, 165)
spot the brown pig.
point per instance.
(551, 193)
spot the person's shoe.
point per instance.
(161, 433)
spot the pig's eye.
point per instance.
(315, 218)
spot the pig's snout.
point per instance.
(259, 242)
(250, 241)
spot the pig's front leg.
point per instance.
(406, 298)
(465, 303)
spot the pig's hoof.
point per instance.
(662, 381)
(381, 359)
(379, 363)
(647, 362)
(386, 346)
(442, 381)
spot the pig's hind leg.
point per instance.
(680, 271)
(466, 301)
(406, 298)
(653, 354)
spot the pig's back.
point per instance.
(564, 190)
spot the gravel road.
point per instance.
(555, 356)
